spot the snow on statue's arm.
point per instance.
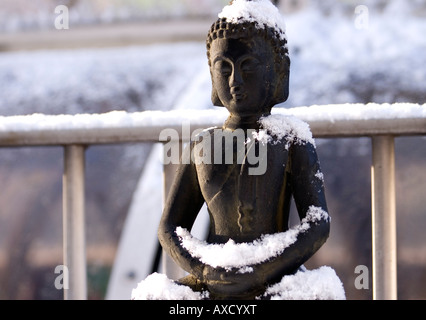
(182, 206)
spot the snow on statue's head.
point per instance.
(245, 19)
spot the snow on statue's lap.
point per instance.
(317, 284)
(158, 287)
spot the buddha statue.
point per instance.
(248, 209)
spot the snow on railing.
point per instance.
(381, 122)
(348, 120)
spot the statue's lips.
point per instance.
(239, 96)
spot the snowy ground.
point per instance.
(332, 61)
(95, 81)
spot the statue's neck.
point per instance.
(245, 122)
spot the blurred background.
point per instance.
(137, 55)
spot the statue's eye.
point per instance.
(249, 65)
(223, 67)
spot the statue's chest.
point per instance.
(247, 177)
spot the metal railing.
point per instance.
(77, 132)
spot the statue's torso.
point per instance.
(244, 206)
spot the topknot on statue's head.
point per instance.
(260, 12)
(246, 18)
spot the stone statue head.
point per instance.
(248, 57)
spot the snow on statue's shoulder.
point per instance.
(281, 126)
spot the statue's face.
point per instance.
(243, 74)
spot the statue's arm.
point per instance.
(308, 190)
(306, 179)
(307, 187)
(181, 209)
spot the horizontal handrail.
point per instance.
(339, 120)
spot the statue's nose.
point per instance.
(235, 80)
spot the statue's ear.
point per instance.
(215, 98)
(282, 89)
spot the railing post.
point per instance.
(74, 246)
(384, 218)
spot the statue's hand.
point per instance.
(232, 282)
